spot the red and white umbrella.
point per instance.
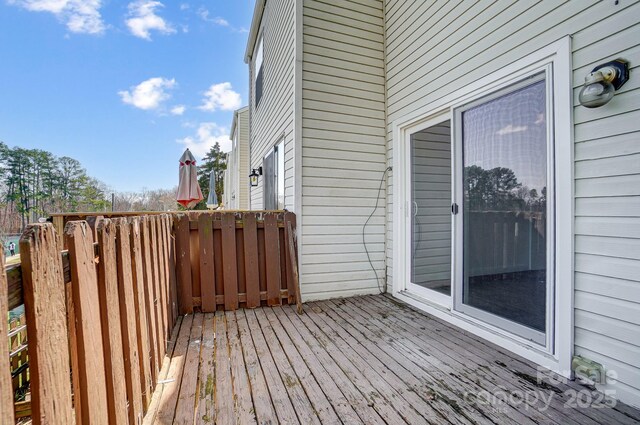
(189, 193)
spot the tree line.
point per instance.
(35, 183)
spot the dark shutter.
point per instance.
(259, 85)
(269, 173)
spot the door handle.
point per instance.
(454, 208)
(415, 208)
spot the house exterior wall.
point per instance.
(236, 184)
(434, 48)
(273, 118)
(343, 147)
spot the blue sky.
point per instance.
(122, 86)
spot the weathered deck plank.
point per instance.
(357, 360)
(240, 380)
(188, 388)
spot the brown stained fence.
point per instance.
(230, 260)
(99, 313)
(98, 317)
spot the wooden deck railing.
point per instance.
(232, 259)
(99, 313)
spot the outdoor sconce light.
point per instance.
(603, 81)
(253, 177)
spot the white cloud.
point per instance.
(148, 94)
(221, 97)
(80, 16)
(204, 14)
(184, 6)
(509, 129)
(178, 110)
(143, 19)
(207, 134)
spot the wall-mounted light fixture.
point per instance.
(603, 81)
(253, 177)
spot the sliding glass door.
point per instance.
(481, 210)
(503, 192)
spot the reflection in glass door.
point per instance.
(431, 210)
(504, 186)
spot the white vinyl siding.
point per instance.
(343, 147)
(434, 48)
(243, 159)
(272, 120)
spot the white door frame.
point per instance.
(558, 355)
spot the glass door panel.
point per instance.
(431, 209)
(504, 209)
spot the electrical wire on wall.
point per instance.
(382, 289)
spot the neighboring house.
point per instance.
(236, 176)
(495, 200)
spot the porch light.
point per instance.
(603, 81)
(253, 177)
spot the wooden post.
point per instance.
(6, 389)
(91, 394)
(272, 257)
(110, 316)
(128, 321)
(229, 267)
(293, 256)
(252, 273)
(137, 268)
(207, 267)
(183, 264)
(45, 308)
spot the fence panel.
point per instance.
(128, 321)
(140, 309)
(243, 260)
(90, 394)
(110, 317)
(45, 308)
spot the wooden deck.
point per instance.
(362, 360)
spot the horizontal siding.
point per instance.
(434, 48)
(273, 119)
(343, 147)
(243, 160)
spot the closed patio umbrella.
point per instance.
(212, 199)
(189, 193)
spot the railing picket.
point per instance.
(167, 272)
(162, 323)
(92, 392)
(110, 317)
(252, 276)
(172, 267)
(150, 297)
(183, 264)
(272, 256)
(137, 268)
(128, 321)
(207, 268)
(6, 389)
(230, 268)
(162, 304)
(44, 301)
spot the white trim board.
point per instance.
(558, 56)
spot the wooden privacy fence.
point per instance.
(98, 318)
(100, 312)
(229, 260)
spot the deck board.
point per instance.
(367, 360)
